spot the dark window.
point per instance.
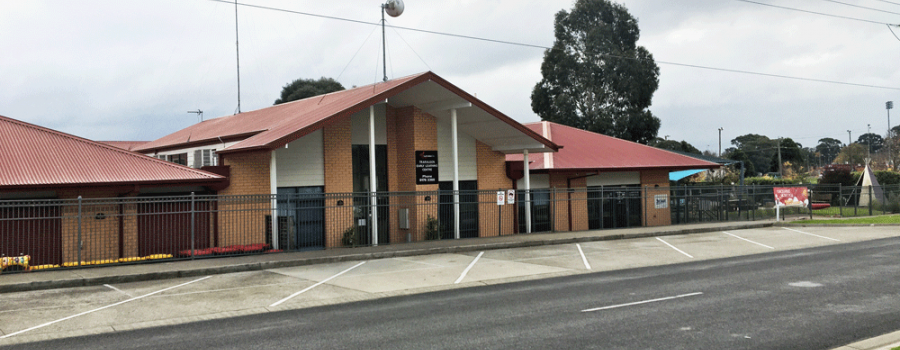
(180, 158)
(540, 210)
(468, 209)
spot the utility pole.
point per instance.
(889, 105)
(237, 49)
(849, 138)
(780, 164)
(869, 143)
(720, 142)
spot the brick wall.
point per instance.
(655, 182)
(492, 176)
(249, 176)
(100, 236)
(414, 131)
(338, 155)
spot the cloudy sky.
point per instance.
(130, 70)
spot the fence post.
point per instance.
(840, 200)
(193, 223)
(500, 215)
(870, 200)
(80, 242)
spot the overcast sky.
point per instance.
(130, 70)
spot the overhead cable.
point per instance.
(605, 55)
(816, 13)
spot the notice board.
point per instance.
(426, 168)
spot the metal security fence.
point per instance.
(66, 233)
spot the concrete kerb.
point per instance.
(304, 261)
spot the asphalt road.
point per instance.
(816, 298)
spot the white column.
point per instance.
(373, 183)
(455, 146)
(527, 173)
(273, 189)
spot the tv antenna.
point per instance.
(198, 112)
(393, 8)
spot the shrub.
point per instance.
(350, 238)
(838, 176)
(432, 229)
(887, 177)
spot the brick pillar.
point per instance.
(338, 156)
(653, 183)
(415, 131)
(243, 221)
(491, 178)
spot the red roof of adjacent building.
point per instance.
(589, 151)
(275, 126)
(34, 156)
(126, 145)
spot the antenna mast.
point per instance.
(199, 113)
(237, 47)
(393, 8)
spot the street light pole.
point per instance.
(869, 143)
(720, 140)
(849, 138)
(889, 105)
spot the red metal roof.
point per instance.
(32, 156)
(587, 151)
(126, 145)
(275, 126)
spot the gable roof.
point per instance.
(126, 145)
(589, 151)
(34, 156)
(273, 127)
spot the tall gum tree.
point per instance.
(596, 77)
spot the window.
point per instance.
(204, 157)
(180, 158)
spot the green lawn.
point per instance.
(884, 219)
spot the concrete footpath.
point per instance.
(111, 274)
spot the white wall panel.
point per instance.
(538, 181)
(468, 156)
(616, 178)
(359, 129)
(302, 163)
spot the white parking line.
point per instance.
(463, 275)
(117, 289)
(744, 239)
(315, 285)
(101, 308)
(807, 233)
(673, 247)
(642, 302)
(583, 258)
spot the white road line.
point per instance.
(463, 275)
(583, 258)
(642, 302)
(744, 239)
(315, 285)
(102, 308)
(673, 247)
(117, 289)
(807, 233)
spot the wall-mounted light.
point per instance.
(427, 198)
(340, 203)
(100, 216)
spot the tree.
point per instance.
(303, 88)
(673, 145)
(853, 154)
(595, 77)
(758, 149)
(828, 149)
(790, 152)
(736, 154)
(872, 140)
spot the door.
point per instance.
(468, 209)
(303, 210)
(362, 200)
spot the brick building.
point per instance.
(416, 135)
(598, 181)
(37, 163)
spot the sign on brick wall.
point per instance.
(426, 167)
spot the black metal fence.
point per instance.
(64, 233)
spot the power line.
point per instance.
(892, 32)
(890, 2)
(862, 7)
(816, 13)
(696, 66)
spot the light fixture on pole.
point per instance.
(393, 8)
(720, 142)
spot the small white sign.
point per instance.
(662, 201)
(511, 197)
(501, 197)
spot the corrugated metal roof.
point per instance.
(31, 155)
(275, 126)
(126, 145)
(586, 151)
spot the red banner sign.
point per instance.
(791, 196)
